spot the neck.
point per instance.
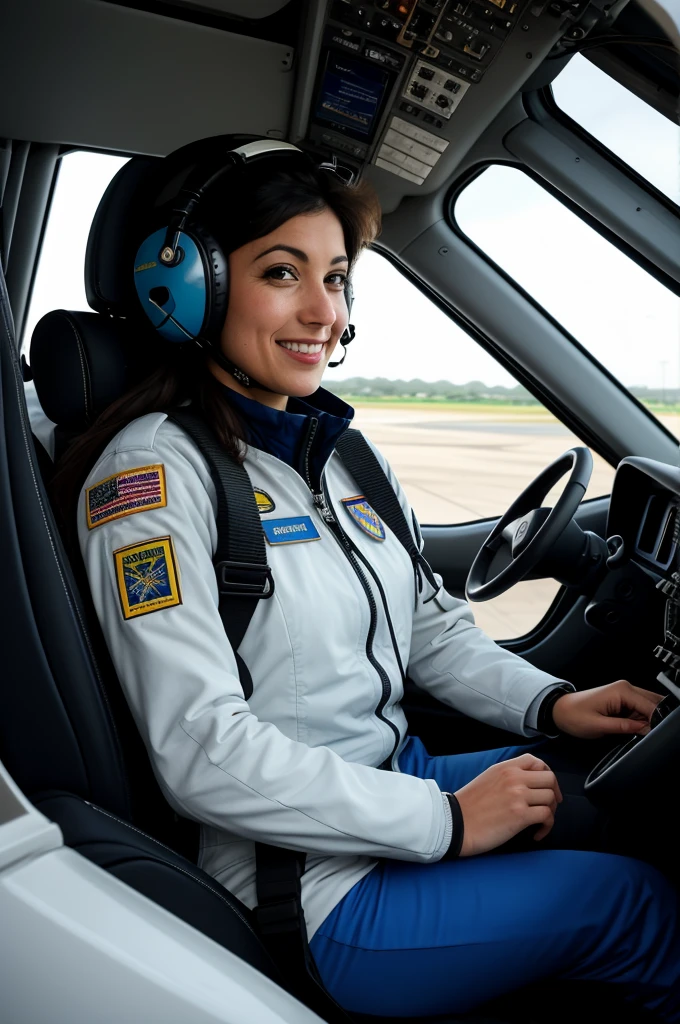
(269, 398)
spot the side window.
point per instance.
(622, 315)
(59, 281)
(462, 435)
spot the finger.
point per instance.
(611, 726)
(540, 780)
(542, 798)
(544, 818)
(544, 780)
(639, 700)
(650, 694)
(638, 706)
(530, 763)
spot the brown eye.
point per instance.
(337, 279)
(279, 273)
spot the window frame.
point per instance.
(562, 413)
(542, 107)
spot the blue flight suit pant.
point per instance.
(413, 940)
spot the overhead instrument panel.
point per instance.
(393, 74)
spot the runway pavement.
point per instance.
(458, 466)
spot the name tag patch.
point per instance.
(264, 502)
(364, 516)
(147, 577)
(290, 531)
(123, 494)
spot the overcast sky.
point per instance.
(628, 320)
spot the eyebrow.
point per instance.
(298, 254)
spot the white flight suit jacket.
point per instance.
(297, 764)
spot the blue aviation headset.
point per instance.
(181, 271)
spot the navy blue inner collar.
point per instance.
(285, 434)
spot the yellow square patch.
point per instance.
(147, 577)
(123, 494)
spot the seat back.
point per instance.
(57, 726)
(64, 722)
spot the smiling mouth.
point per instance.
(310, 348)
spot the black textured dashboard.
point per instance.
(644, 512)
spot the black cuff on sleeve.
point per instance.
(544, 719)
(458, 828)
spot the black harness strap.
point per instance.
(281, 923)
(363, 464)
(240, 559)
(243, 579)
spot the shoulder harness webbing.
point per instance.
(364, 466)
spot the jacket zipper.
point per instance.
(325, 509)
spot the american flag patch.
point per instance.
(123, 494)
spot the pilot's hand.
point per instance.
(505, 799)
(618, 708)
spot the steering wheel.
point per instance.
(527, 531)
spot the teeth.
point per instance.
(294, 346)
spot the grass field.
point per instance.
(533, 409)
(505, 408)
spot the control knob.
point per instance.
(669, 658)
(671, 587)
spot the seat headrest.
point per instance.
(115, 235)
(81, 362)
(138, 200)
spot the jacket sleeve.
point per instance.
(216, 761)
(456, 662)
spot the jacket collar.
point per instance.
(310, 426)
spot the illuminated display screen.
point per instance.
(351, 95)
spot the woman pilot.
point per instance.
(414, 903)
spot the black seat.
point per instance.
(158, 872)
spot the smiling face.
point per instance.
(287, 307)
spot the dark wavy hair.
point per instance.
(265, 199)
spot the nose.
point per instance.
(319, 307)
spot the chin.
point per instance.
(303, 388)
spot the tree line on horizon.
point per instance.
(472, 391)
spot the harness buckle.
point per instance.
(244, 579)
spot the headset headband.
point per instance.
(193, 190)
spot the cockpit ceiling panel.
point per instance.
(133, 81)
(252, 9)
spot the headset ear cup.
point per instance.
(172, 297)
(216, 269)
